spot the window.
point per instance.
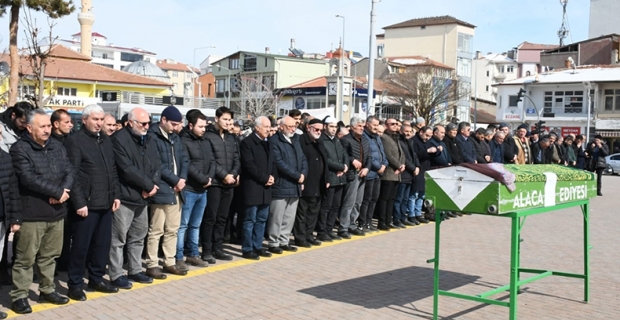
(464, 43)
(380, 49)
(487, 73)
(265, 62)
(423, 27)
(502, 69)
(268, 82)
(510, 69)
(315, 103)
(612, 100)
(105, 65)
(175, 74)
(233, 85)
(487, 88)
(220, 85)
(463, 67)
(249, 63)
(564, 102)
(131, 57)
(233, 63)
(209, 89)
(61, 91)
(513, 101)
(26, 90)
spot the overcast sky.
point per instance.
(174, 28)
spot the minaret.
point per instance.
(86, 19)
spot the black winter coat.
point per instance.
(468, 150)
(226, 152)
(138, 165)
(510, 149)
(43, 173)
(257, 164)
(356, 149)
(456, 154)
(291, 164)
(411, 160)
(600, 162)
(482, 149)
(316, 180)
(201, 165)
(336, 160)
(545, 156)
(96, 178)
(421, 150)
(9, 191)
(165, 148)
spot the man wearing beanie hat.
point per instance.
(166, 203)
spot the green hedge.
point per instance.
(534, 173)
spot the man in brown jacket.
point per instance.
(391, 176)
(523, 145)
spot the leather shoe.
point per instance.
(303, 244)
(344, 235)
(325, 238)
(250, 255)
(406, 223)
(384, 227)
(263, 253)
(334, 236)
(102, 287)
(140, 277)
(275, 250)
(174, 270)
(208, 258)
(221, 255)
(421, 219)
(357, 232)
(155, 273)
(315, 242)
(76, 294)
(53, 297)
(21, 306)
(3, 315)
(413, 221)
(288, 247)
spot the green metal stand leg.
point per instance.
(586, 251)
(514, 267)
(438, 218)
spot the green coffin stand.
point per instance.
(461, 189)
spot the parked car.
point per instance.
(613, 163)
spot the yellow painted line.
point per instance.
(211, 269)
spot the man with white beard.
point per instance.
(315, 185)
(292, 171)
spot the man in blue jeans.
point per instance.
(258, 174)
(422, 149)
(200, 172)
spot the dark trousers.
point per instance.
(214, 219)
(62, 264)
(371, 195)
(599, 178)
(330, 205)
(306, 217)
(389, 190)
(236, 208)
(90, 248)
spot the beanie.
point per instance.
(172, 114)
(451, 126)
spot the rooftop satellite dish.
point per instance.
(4, 68)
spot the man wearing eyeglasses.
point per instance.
(139, 172)
(165, 205)
(315, 185)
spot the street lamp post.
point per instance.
(341, 70)
(370, 109)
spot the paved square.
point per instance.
(385, 276)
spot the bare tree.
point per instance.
(257, 99)
(426, 91)
(38, 55)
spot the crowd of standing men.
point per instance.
(92, 199)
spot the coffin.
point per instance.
(463, 189)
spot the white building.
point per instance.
(489, 70)
(205, 65)
(561, 98)
(109, 55)
(603, 15)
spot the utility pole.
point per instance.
(370, 109)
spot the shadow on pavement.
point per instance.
(398, 287)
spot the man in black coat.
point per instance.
(483, 151)
(45, 180)
(465, 145)
(337, 161)
(201, 170)
(165, 205)
(540, 151)
(456, 153)
(315, 185)
(510, 147)
(422, 148)
(412, 169)
(220, 194)
(139, 171)
(258, 174)
(10, 204)
(95, 196)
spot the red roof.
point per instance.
(536, 46)
(68, 64)
(428, 62)
(316, 82)
(94, 34)
(176, 66)
(430, 21)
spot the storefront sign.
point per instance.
(531, 111)
(359, 92)
(315, 91)
(71, 102)
(512, 116)
(570, 130)
(607, 124)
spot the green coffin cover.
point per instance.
(465, 190)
